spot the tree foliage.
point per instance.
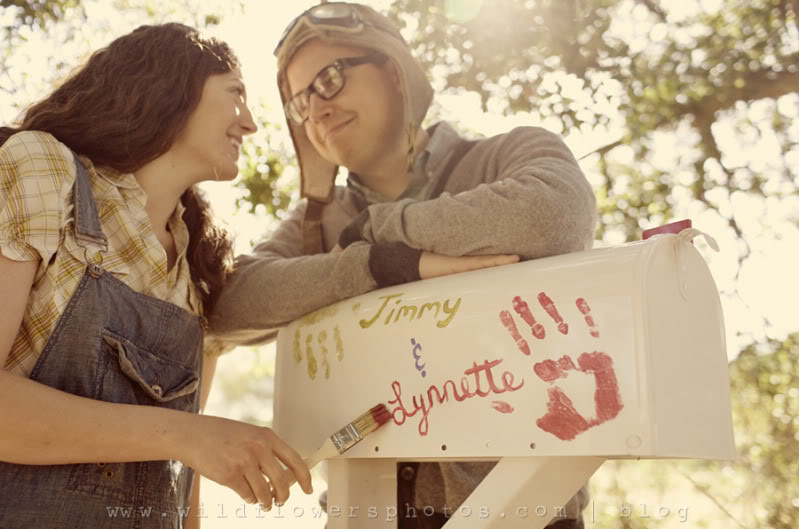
(260, 177)
(665, 73)
(37, 12)
(765, 386)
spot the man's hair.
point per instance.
(124, 108)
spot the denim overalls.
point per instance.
(115, 345)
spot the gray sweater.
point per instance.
(516, 193)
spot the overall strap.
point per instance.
(87, 223)
(312, 228)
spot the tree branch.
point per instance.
(704, 492)
(654, 8)
(766, 83)
(604, 149)
(795, 6)
(758, 85)
(711, 150)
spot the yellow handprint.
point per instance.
(312, 320)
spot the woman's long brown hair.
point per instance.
(126, 106)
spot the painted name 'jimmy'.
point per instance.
(397, 311)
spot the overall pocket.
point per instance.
(160, 379)
(129, 374)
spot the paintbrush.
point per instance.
(349, 436)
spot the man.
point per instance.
(418, 202)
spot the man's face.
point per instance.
(360, 125)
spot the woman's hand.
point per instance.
(245, 458)
(435, 265)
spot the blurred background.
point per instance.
(678, 109)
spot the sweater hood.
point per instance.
(317, 175)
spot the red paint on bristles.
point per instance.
(380, 414)
(373, 419)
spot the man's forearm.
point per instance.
(534, 201)
(486, 223)
(268, 291)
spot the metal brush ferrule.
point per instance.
(345, 438)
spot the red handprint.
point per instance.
(549, 306)
(507, 321)
(582, 306)
(562, 420)
(523, 310)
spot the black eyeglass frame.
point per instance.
(290, 108)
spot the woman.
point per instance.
(108, 261)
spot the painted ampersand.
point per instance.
(419, 367)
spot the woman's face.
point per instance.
(210, 143)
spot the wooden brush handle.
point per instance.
(326, 451)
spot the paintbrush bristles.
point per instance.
(367, 423)
(371, 420)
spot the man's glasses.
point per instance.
(326, 84)
(336, 14)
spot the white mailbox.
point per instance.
(609, 353)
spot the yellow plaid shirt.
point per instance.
(37, 174)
